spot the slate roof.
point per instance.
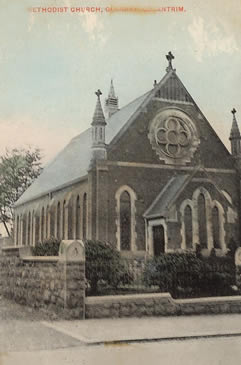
(166, 197)
(73, 161)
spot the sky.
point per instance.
(51, 64)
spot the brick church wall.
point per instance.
(140, 179)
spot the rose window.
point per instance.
(173, 136)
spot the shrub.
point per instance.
(232, 247)
(164, 270)
(104, 264)
(49, 247)
(186, 274)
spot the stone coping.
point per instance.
(117, 298)
(11, 248)
(234, 298)
(130, 297)
(40, 258)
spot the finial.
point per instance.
(112, 91)
(169, 57)
(155, 83)
(233, 111)
(98, 118)
(98, 93)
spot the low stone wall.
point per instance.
(43, 282)
(138, 305)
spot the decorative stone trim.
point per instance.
(183, 206)
(210, 204)
(173, 136)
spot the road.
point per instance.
(28, 337)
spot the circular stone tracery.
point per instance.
(173, 136)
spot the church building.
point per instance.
(150, 177)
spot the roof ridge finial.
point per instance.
(170, 57)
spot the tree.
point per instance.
(18, 169)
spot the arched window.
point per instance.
(47, 222)
(36, 229)
(126, 218)
(63, 221)
(52, 220)
(32, 231)
(58, 221)
(202, 221)
(215, 227)
(188, 226)
(84, 216)
(70, 220)
(42, 224)
(24, 230)
(125, 221)
(29, 229)
(77, 217)
(17, 230)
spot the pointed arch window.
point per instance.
(47, 217)
(215, 227)
(202, 221)
(84, 216)
(77, 217)
(58, 215)
(70, 220)
(17, 230)
(29, 229)
(126, 219)
(188, 227)
(37, 229)
(32, 225)
(24, 230)
(42, 224)
(52, 220)
(63, 220)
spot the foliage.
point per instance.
(49, 247)
(18, 169)
(161, 270)
(104, 264)
(185, 274)
(232, 247)
(198, 250)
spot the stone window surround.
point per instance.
(133, 199)
(174, 112)
(210, 204)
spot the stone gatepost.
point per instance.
(72, 257)
(238, 267)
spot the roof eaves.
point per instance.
(47, 192)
